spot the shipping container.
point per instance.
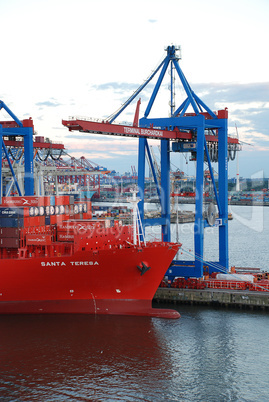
(66, 226)
(26, 201)
(41, 201)
(65, 236)
(41, 211)
(11, 222)
(38, 239)
(11, 212)
(42, 221)
(9, 232)
(50, 210)
(33, 211)
(9, 242)
(26, 222)
(35, 221)
(34, 230)
(87, 215)
(80, 207)
(62, 200)
(53, 219)
(71, 200)
(26, 212)
(39, 139)
(46, 200)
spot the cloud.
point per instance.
(233, 92)
(48, 103)
(242, 99)
(258, 116)
(59, 128)
(102, 145)
(248, 106)
(122, 88)
(118, 87)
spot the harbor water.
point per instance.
(209, 354)
(248, 237)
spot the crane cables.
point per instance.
(216, 265)
(49, 153)
(15, 158)
(114, 115)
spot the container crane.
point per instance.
(12, 129)
(199, 131)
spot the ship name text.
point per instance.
(72, 263)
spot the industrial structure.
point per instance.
(34, 165)
(191, 127)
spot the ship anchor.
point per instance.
(144, 268)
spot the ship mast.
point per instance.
(136, 219)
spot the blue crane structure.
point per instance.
(201, 120)
(200, 131)
(19, 147)
(23, 129)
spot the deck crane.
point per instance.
(191, 127)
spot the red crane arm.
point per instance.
(107, 128)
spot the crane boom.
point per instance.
(106, 128)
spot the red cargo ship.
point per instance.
(56, 259)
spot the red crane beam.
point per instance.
(107, 128)
(36, 144)
(19, 144)
(13, 123)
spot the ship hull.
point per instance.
(101, 282)
(100, 307)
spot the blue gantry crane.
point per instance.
(201, 121)
(192, 127)
(25, 129)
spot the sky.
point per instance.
(62, 58)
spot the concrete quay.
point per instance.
(214, 297)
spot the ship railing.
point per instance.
(84, 118)
(99, 120)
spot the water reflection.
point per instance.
(78, 357)
(215, 355)
(212, 355)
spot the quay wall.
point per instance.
(214, 297)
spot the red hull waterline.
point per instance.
(105, 307)
(103, 281)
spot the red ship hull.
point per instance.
(105, 281)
